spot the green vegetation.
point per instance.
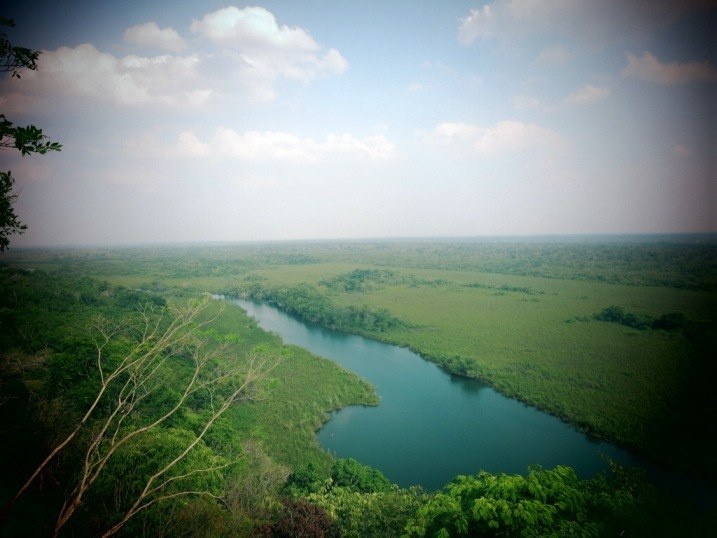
(108, 376)
(615, 337)
(545, 502)
(616, 380)
(311, 305)
(673, 321)
(27, 140)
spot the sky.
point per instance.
(191, 121)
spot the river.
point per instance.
(430, 425)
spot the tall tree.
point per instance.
(26, 140)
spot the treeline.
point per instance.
(360, 280)
(671, 322)
(506, 288)
(672, 261)
(309, 304)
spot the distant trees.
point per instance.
(308, 303)
(617, 314)
(673, 321)
(360, 279)
(26, 140)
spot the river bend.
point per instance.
(430, 425)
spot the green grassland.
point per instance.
(615, 336)
(519, 315)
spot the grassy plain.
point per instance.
(302, 390)
(541, 346)
(517, 314)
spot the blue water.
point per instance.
(430, 425)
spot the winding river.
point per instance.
(430, 425)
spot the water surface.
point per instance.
(431, 425)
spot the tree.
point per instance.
(134, 359)
(9, 222)
(546, 502)
(26, 140)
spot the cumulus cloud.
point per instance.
(282, 146)
(264, 51)
(649, 68)
(253, 28)
(149, 34)
(586, 20)
(505, 136)
(244, 55)
(85, 72)
(588, 94)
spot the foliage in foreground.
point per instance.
(49, 360)
(148, 392)
(65, 341)
(544, 502)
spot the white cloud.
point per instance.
(150, 35)
(14, 102)
(188, 145)
(263, 51)
(282, 146)
(586, 20)
(251, 53)
(505, 136)
(649, 68)
(85, 72)
(588, 94)
(502, 18)
(253, 28)
(479, 23)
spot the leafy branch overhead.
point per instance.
(26, 140)
(14, 58)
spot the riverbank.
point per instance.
(431, 426)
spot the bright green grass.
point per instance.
(609, 379)
(303, 389)
(623, 384)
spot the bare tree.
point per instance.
(127, 382)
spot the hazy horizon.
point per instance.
(586, 238)
(308, 121)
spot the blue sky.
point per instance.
(206, 121)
